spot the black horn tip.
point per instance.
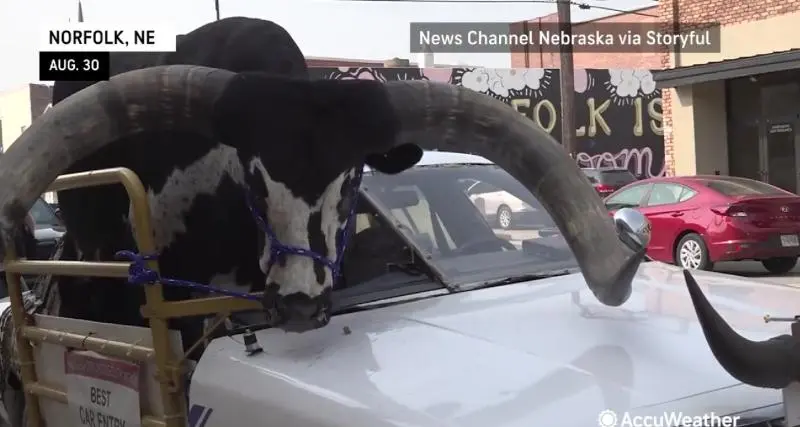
(773, 363)
(616, 290)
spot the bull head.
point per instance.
(344, 123)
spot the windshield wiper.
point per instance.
(521, 278)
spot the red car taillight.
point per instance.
(604, 189)
(731, 211)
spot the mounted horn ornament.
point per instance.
(774, 363)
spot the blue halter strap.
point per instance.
(277, 248)
(140, 274)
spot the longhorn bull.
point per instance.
(238, 120)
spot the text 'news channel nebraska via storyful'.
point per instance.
(614, 37)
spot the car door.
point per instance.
(667, 206)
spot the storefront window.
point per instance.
(780, 100)
(744, 106)
(743, 151)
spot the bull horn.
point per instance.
(441, 116)
(161, 98)
(773, 363)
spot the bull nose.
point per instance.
(300, 313)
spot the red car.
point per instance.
(700, 220)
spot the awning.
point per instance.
(728, 69)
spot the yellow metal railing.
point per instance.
(168, 364)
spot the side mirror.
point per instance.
(58, 214)
(633, 228)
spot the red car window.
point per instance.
(733, 187)
(668, 193)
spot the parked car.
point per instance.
(608, 180)
(500, 207)
(461, 329)
(700, 220)
(49, 229)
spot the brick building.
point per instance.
(19, 107)
(536, 57)
(735, 111)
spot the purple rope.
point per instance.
(140, 274)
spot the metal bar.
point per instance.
(170, 383)
(201, 307)
(69, 268)
(93, 178)
(58, 394)
(117, 349)
(24, 348)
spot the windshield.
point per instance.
(618, 177)
(474, 223)
(733, 187)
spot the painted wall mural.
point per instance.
(618, 111)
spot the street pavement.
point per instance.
(752, 269)
(756, 270)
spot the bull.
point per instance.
(229, 125)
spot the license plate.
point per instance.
(789, 240)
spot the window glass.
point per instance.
(591, 175)
(478, 187)
(744, 187)
(628, 198)
(43, 215)
(687, 194)
(664, 194)
(617, 177)
(418, 218)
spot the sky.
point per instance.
(329, 28)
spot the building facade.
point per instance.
(618, 111)
(19, 107)
(536, 57)
(735, 111)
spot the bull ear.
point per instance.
(365, 123)
(395, 160)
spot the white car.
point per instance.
(449, 325)
(499, 206)
(480, 343)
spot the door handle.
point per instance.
(676, 214)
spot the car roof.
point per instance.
(440, 158)
(692, 178)
(606, 169)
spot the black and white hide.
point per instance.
(196, 187)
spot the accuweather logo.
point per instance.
(609, 418)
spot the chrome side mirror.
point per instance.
(633, 228)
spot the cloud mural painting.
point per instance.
(618, 111)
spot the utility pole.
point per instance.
(216, 7)
(568, 138)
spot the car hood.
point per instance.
(535, 353)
